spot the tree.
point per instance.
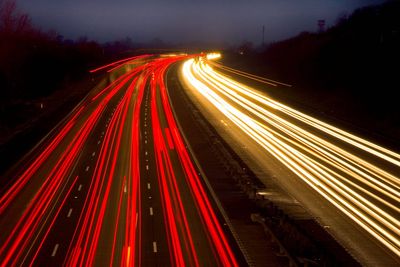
(12, 21)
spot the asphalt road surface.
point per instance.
(350, 185)
(113, 184)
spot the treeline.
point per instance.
(359, 55)
(34, 63)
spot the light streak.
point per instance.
(119, 63)
(223, 251)
(114, 186)
(330, 160)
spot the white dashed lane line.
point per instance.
(155, 247)
(87, 168)
(151, 211)
(55, 250)
(69, 213)
(148, 186)
(80, 187)
(93, 154)
(147, 167)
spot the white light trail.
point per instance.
(330, 160)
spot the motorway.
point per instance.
(113, 184)
(350, 185)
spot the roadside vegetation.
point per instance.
(33, 65)
(37, 69)
(349, 71)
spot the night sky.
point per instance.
(231, 21)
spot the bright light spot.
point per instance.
(211, 56)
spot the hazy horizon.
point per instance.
(186, 21)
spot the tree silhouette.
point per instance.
(11, 20)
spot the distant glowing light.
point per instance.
(211, 56)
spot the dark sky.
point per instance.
(231, 21)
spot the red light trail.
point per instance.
(106, 200)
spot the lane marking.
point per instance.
(55, 250)
(147, 167)
(93, 154)
(151, 211)
(87, 168)
(148, 186)
(99, 142)
(154, 246)
(145, 141)
(80, 187)
(145, 153)
(69, 213)
(125, 189)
